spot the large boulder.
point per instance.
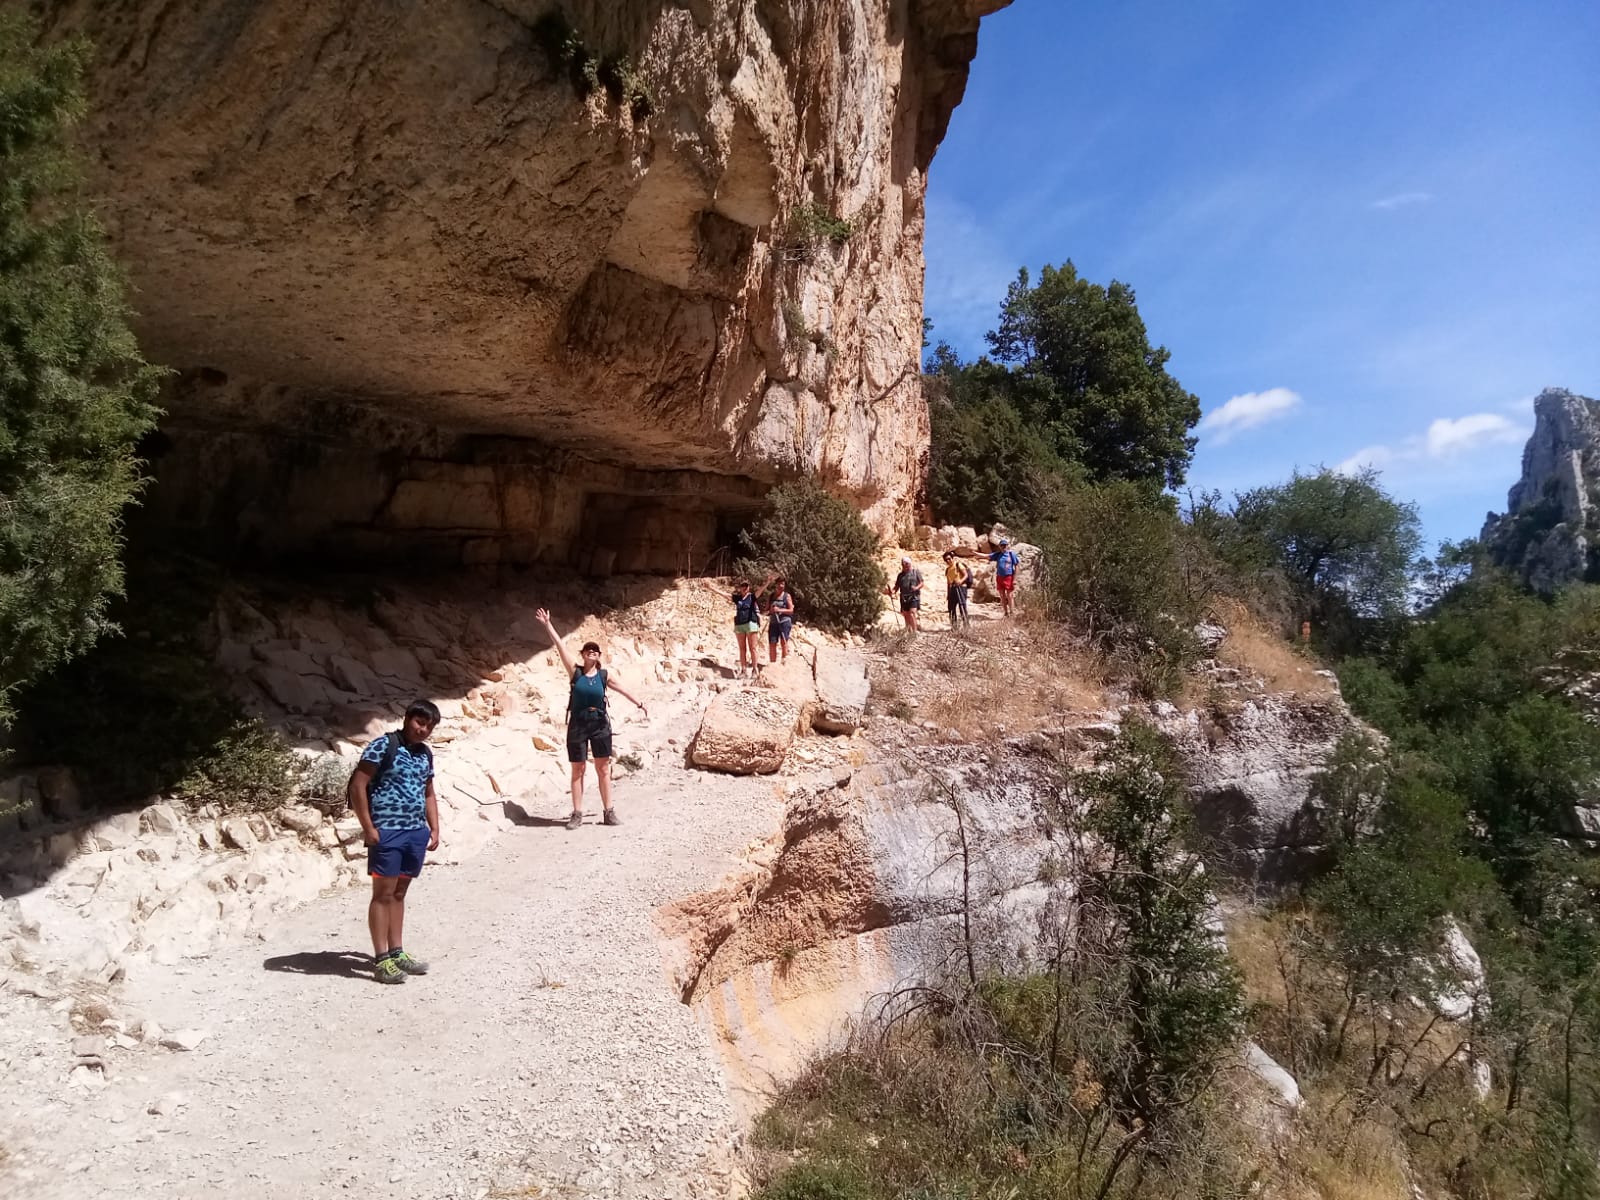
(792, 680)
(842, 689)
(746, 732)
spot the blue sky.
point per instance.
(1367, 232)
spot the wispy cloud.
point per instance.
(1367, 456)
(1445, 438)
(1402, 200)
(970, 265)
(1247, 411)
(1448, 436)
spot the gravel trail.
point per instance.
(545, 1055)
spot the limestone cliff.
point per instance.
(1548, 533)
(524, 277)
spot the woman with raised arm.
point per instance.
(588, 723)
(746, 618)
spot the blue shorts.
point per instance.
(399, 852)
(779, 629)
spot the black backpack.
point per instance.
(392, 743)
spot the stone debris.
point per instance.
(185, 1039)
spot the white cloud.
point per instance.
(1246, 412)
(1445, 438)
(1448, 436)
(1368, 456)
(1402, 200)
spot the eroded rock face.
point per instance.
(1550, 527)
(1251, 774)
(413, 275)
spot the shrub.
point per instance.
(824, 550)
(75, 393)
(247, 767)
(809, 226)
(1116, 571)
(986, 463)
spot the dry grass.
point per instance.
(1254, 648)
(1021, 675)
(1368, 1165)
(1256, 941)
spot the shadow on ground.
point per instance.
(348, 963)
(518, 815)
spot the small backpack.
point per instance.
(392, 743)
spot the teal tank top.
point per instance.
(588, 691)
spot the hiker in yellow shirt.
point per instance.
(957, 580)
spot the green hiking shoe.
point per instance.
(386, 970)
(411, 966)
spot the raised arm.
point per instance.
(714, 589)
(543, 617)
(613, 686)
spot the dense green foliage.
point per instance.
(1489, 753)
(1074, 390)
(75, 394)
(1118, 570)
(824, 551)
(1094, 1074)
(1344, 544)
(989, 463)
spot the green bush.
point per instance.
(75, 393)
(1116, 570)
(987, 464)
(247, 767)
(810, 226)
(824, 550)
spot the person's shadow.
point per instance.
(519, 815)
(347, 963)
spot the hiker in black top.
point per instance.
(780, 621)
(746, 619)
(588, 723)
(909, 584)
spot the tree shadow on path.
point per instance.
(348, 963)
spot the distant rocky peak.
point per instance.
(1550, 533)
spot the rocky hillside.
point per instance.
(519, 281)
(1548, 532)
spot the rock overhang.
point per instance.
(415, 210)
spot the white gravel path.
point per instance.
(546, 1055)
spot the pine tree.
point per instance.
(75, 392)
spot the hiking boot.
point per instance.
(411, 966)
(611, 818)
(386, 970)
(575, 820)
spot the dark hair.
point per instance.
(949, 553)
(595, 646)
(744, 583)
(426, 709)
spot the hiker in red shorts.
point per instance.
(1005, 574)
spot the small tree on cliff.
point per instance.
(75, 393)
(824, 551)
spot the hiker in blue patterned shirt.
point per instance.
(392, 793)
